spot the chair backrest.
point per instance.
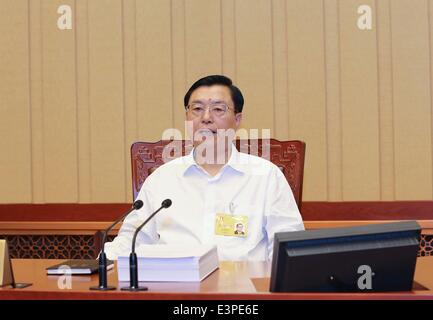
(289, 156)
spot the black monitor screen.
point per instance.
(370, 258)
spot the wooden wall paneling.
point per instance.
(129, 47)
(228, 38)
(333, 104)
(36, 155)
(15, 112)
(178, 61)
(106, 99)
(254, 62)
(359, 105)
(385, 89)
(154, 69)
(279, 69)
(59, 106)
(83, 106)
(203, 39)
(411, 97)
(307, 91)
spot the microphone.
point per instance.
(102, 268)
(133, 265)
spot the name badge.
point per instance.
(231, 225)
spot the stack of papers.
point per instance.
(171, 263)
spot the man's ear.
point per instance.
(238, 119)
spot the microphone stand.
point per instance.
(102, 268)
(133, 263)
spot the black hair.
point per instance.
(208, 81)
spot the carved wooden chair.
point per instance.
(289, 156)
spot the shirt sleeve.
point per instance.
(282, 213)
(122, 244)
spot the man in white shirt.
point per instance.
(214, 189)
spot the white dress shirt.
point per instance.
(246, 185)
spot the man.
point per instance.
(239, 229)
(214, 188)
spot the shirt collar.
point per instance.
(234, 161)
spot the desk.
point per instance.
(80, 239)
(232, 281)
(71, 231)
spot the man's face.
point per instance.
(208, 122)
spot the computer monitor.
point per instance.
(369, 258)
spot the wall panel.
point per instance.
(306, 74)
(106, 100)
(15, 113)
(359, 105)
(411, 97)
(73, 101)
